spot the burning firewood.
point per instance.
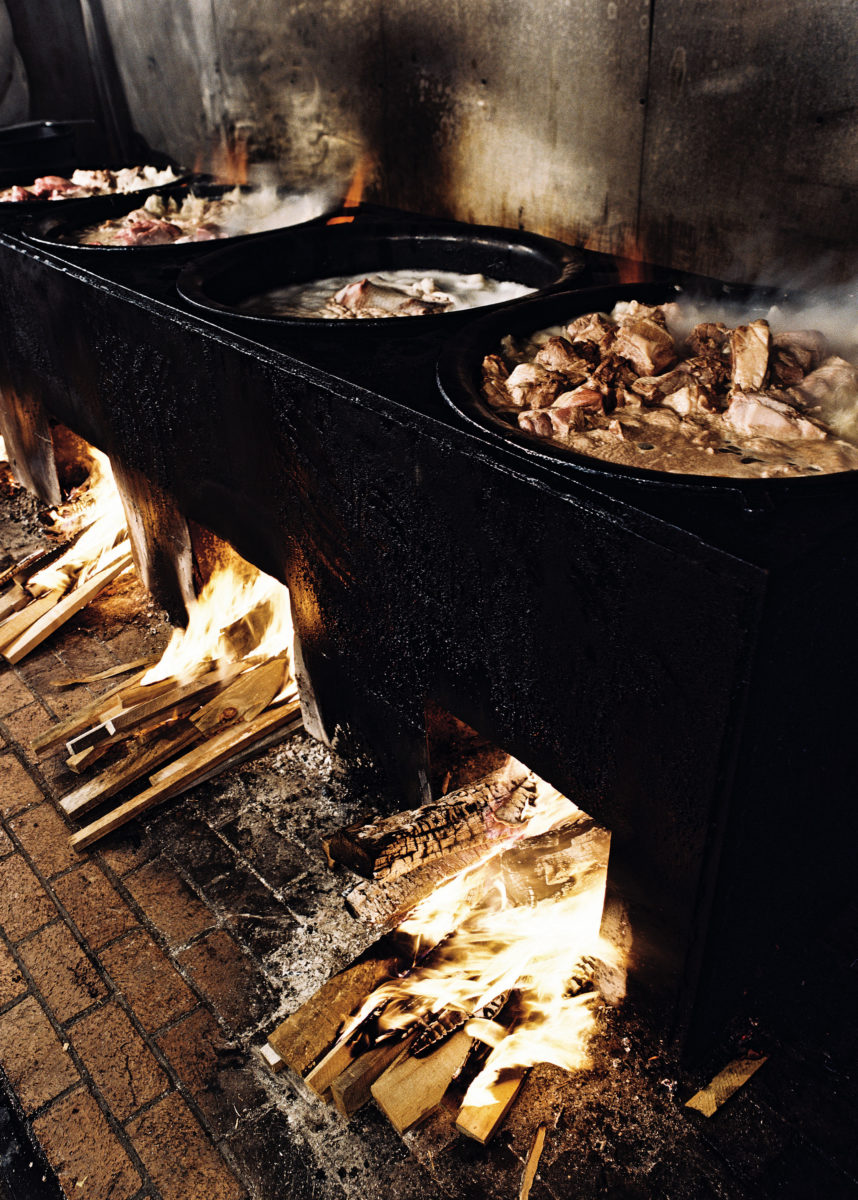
(222, 689)
(51, 586)
(472, 989)
(488, 811)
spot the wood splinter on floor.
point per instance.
(735, 1075)
(531, 1164)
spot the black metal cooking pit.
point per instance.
(226, 279)
(678, 662)
(59, 229)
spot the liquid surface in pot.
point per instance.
(676, 389)
(405, 293)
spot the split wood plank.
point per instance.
(305, 1035)
(17, 625)
(477, 814)
(481, 1122)
(531, 1164)
(412, 1088)
(81, 720)
(245, 698)
(79, 760)
(351, 1090)
(728, 1081)
(66, 608)
(175, 697)
(330, 1067)
(138, 763)
(186, 771)
(13, 601)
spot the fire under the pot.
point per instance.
(490, 962)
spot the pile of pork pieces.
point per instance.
(782, 386)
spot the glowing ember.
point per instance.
(240, 615)
(95, 518)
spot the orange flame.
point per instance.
(228, 161)
(630, 262)
(97, 510)
(356, 189)
(241, 615)
(486, 946)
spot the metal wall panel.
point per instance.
(751, 154)
(496, 111)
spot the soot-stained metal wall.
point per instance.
(708, 135)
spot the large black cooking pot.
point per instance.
(225, 279)
(59, 229)
(36, 147)
(460, 376)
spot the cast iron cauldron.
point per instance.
(223, 280)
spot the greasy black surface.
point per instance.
(678, 668)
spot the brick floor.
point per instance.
(229, 979)
(32, 1056)
(17, 789)
(84, 1151)
(214, 1071)
(124, 1068)
(14, 693)
(12, 982)
(168, 902)
(25, 725)
(45, 836)
(7, 846)
(183, 1164)
(94, 904)
(147, 979)
(24, 904)
(63, 974)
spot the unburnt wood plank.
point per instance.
(179, 694)
(412, 1088)
(18, 624)
(243, 699)
(88, 715)
(351, 1090)
(136, 764)
(481, 1121)
(185, 772)
(307, 1034)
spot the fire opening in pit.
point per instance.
(91, 549)
(492, 959)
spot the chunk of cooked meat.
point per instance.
(149, 232)
(52, 185)
(708, 338)
(531, 386)
(646, 345)
(690, 398)
(760, 416)
(593, 334)
(796, 354)
(829, 388)
(568, 413)
(652, 389)
(750, 346)
(558, 354)
(16, 195)
(633, 311)
(495, 375)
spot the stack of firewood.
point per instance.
(509, 831)
(40, 593)
(178, 733)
